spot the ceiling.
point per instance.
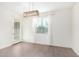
(20, 7)
(41, 6)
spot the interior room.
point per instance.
(39, 29)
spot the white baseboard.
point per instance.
(76, 51)
(61, 45)
(6, 45)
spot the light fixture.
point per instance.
(31, 13)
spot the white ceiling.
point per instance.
(41, 6)
(38, 5)
(51, 6)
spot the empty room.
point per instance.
(39, 29)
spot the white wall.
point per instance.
(61, 34)
(28, 31)
(62, 28)
(75, 45)
(5, 27)
(10, 10)
(61, 24)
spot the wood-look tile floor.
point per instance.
(35, 50)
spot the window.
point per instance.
(41, 25)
